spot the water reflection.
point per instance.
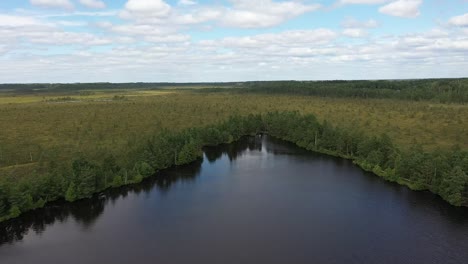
(276, 203)
(86, 212)
(233, 150)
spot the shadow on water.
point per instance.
(87, 211)
(324, 191)
(84, 212)
(417, 201)
(234, 149)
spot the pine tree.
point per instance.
(70, 195)
(15, 211)
(3, 201)
(453, 185)
(84, 178)
(3, 208)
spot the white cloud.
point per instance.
(17, 21)
(198, 16)
(357, 29)
(69, 23)
(296, 54)
(301, 54)
(93, 4)
(187, 2)
(140, 29)
(167, 38)
(460, 21)
(353, 23)
(158, 41)
(355, 32)
(264, 13)
(28, 31)
(366, 2)
(402, 8)
(248, 19)
(290, 38)
(242, 14)
(65, 4)
(3, 49)
(66, 38)
(107, 13)
(146, 9)
(147, 33)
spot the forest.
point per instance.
(52, 148)
(436, 90)
(441, 172)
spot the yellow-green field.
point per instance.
(34, 128)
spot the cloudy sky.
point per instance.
(231, 40)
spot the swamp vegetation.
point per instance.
(70, 149)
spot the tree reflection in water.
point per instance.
(87, 211)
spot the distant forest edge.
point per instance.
(24, 88)
(444, 172)
(436, 90)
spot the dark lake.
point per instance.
(259, 200)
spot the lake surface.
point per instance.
(259, 200)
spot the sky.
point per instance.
(231, 40)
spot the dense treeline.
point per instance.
(437, 90)
(70, 87)
(67, 87)
(84, 176)
(442, 172)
